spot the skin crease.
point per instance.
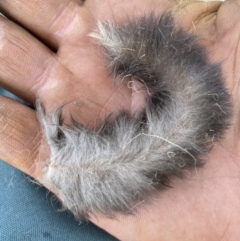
(205, 206)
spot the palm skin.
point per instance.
(62, 65)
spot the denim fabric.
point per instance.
(10, 95)
(29, 213)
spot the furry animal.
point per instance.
(187, 109)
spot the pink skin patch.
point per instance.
(139, 94)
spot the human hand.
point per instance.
(44, 75)
(33, 71)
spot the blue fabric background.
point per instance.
(29, 213)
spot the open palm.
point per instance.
(46, 53)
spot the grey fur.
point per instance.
(110, 170)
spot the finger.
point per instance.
(20, 138)
(188, 12)
(47, 19)
(24, 61)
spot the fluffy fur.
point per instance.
(187, 108)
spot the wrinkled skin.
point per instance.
(67, 66)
